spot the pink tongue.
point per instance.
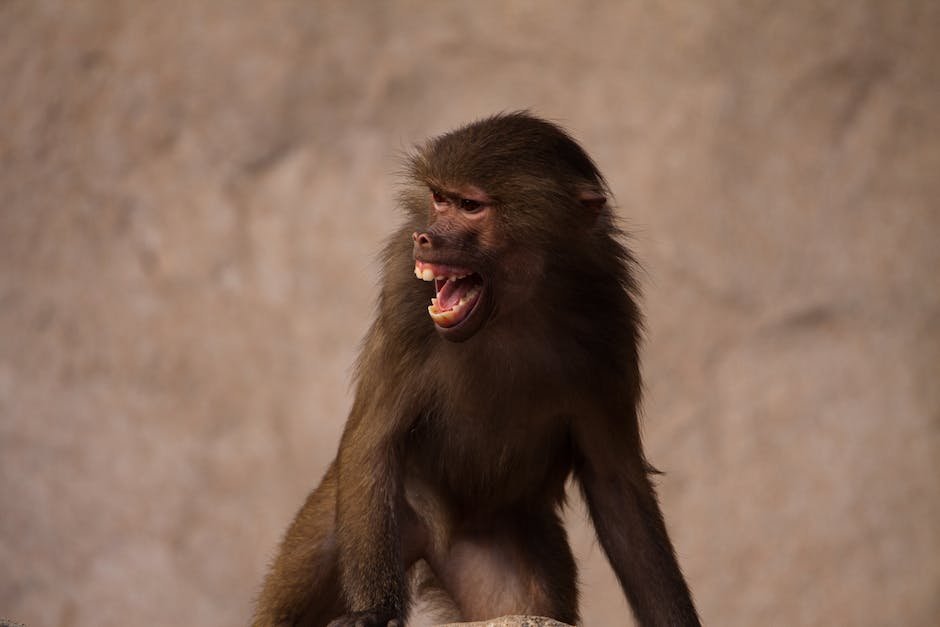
(449, 293)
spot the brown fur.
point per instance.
(457, 452)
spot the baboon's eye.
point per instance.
(469, 205)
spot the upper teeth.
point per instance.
(427, 274)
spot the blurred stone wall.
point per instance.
(192, 195)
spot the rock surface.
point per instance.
(513, 621)
(192, 195)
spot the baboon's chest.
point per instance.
(490, 455)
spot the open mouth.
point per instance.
(458, 292)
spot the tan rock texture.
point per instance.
(192, 195)
(513, 621)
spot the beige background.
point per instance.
(192, 195)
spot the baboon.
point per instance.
(503, 360)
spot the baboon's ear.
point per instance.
(593, 201)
